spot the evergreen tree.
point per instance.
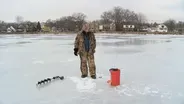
(39, 27)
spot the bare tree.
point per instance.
(19, 19)
(49, 23)
(180, 24)
(120, 16)
(180, 27)
(141, 18)
(141, 21)
(171, 24)
(115, 16)
(106, 17)
(68, 23)
(79, 19)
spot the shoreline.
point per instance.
(98, 33)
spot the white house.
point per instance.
(100, 27)
(107, 27)
(162, 28)
(129, 26)
(11, 29)
(159, 28)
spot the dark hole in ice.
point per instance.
(114, 69)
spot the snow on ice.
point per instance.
(151, 70)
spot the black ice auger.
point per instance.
(48, 80)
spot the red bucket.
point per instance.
(115, 76)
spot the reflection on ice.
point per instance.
(128, 42)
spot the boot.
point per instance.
(83, 76)
(93, 76)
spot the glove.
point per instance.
(75, 51)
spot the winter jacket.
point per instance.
(83, 44)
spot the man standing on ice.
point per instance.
(85, 45)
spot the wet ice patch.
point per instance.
(154, 92)
(180, 94)
(25, 75)
(62, 61)
(100, 90)
(84, 84)
(168, 41)
(34, 58)
(23, 42)
(38, 62)
(68, 60)
(3, 73)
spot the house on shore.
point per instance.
(128, 27)
(21, 29)
(160, 28)
(10, 29)
(107, 27)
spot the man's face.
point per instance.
(85, 27)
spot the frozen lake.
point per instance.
(151, 66)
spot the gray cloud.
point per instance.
(34, 10)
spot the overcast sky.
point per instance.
(41, 10)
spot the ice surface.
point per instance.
(151, 70)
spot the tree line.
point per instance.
(27, 26)
(67, 23)
(117, 15)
